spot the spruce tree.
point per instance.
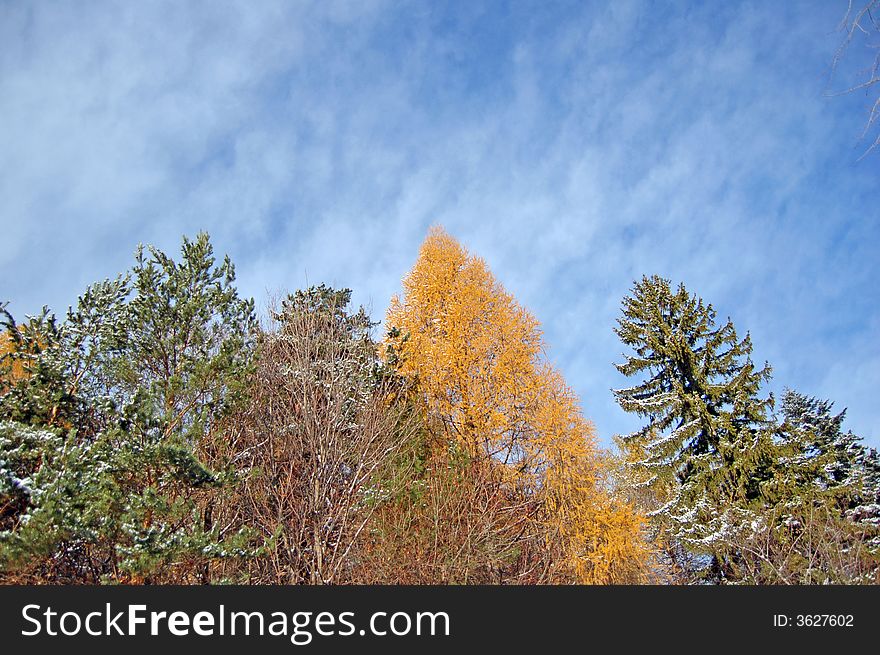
(835, 463)
(706, 440)
(819, 519)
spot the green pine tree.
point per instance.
(102, 428)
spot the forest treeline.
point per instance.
(160, 433)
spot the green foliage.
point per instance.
(102, 431)
(700, 386)
(826, 458)
(32, 372)
(830, 472)
(733, 496)
(707, 436)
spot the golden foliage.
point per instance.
(13, 371)
(470, 344)
(476, 359)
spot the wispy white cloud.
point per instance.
(575, 148)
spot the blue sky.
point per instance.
(575, 146)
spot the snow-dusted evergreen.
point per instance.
(839, 463)
(705, 434)
(733, 495)
(101, 455)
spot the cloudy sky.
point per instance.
(575, 146)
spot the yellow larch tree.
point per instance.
(476, 361)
